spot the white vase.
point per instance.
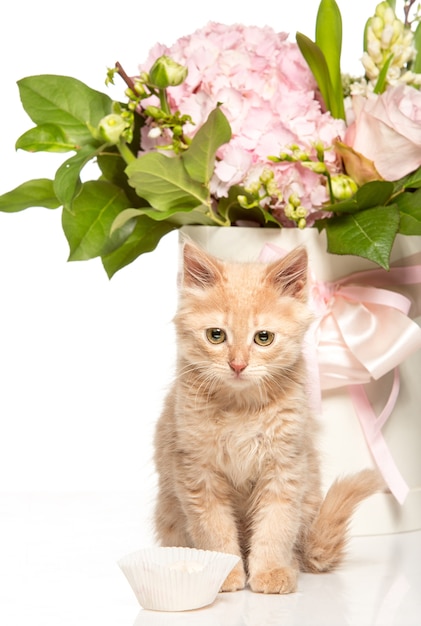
(342, 443)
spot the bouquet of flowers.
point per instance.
(238, 126)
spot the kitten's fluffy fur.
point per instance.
(235, 445)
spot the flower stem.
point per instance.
(125, 152)
(406, 10)
(329, 184)
(220, 222)
(163, 99)
(129, 82)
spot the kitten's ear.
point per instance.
(199, 268)
(290, 274)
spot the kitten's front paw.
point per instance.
(277, 580)
(236, 579)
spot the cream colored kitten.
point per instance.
(235, 445)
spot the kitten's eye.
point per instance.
(264, 337)
(216, 335)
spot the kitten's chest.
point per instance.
(242, 445)
(242, 451)
(243, 455)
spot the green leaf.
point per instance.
(88, 224)
(67, 180)
(165, 184)
(113, 166)
(344, 206)
(381, 83)
(329, 40)
(113, 169)
(372, 194)
(411, 181)
(65, 102)
(199, 159)
(416, 63)
(37, 192)
(118, 237)
(230, 209)
(410, 213)
(177, 218)
(45, 138)
(124, 217)
(199, 215)
(369, 234)
(144, 238)
(194, 217)
(319, 68)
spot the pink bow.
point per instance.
(361, 333)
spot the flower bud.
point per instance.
(155, 132)
(376, 25)
(294, 200)
(112, 126)
(139, 88)
(343, 187)
(289, 211)
(371, 69)
(165, 72)
(383, 11)
(266, 176)
(273, 190)
(315, 166)
(154, 112)
(387, 36)
(242, 201)
(253, 187)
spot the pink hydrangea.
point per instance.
(269, 97)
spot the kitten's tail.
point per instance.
(323, 545)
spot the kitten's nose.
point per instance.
(237, 366)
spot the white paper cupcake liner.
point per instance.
(176, 579)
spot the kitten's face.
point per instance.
(241, 325)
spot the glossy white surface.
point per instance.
(58, 567)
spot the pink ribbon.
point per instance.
(361, 333)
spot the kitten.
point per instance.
(234, 446)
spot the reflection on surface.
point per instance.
(58, 568)
(245, 608)
(371, 588)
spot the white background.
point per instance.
(85, 362)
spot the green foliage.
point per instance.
(66, 103)
(164, 182)
(199, 159)
(371, 194)
(329, 40)
(45, 138)
(317, 63)
(67, 182)
(416, 63)
(38, 192)
(136, 201)
(409, 205)
(324, 56)
(381, 83)
(367, 224)
(140, 197)
(87, 225)
(369, 233)
(144, 238)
